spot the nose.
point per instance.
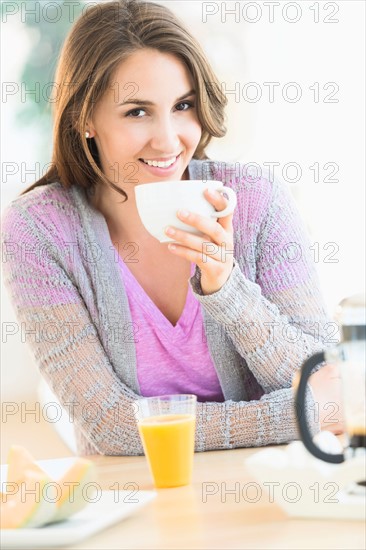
(165, 138)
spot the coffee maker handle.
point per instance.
(306, 437)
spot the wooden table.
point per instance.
(193, 517)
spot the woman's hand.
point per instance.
(326, 387)
(213, 253)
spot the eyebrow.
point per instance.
(136, 101)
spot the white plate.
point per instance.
(108, 508)
(306, 487)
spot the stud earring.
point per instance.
(87, 135)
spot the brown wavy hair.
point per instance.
(100, 39)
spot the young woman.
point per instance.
(111, 312)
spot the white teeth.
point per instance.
(160, 164)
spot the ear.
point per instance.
(83, 128)
(90, 129)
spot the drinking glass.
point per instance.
(167, 428)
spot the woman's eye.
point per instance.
(133, 113)
(188, 103)
(183, 106)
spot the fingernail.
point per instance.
(183, 213)
(170, 231)
(171, 246)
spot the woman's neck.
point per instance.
(121, 215)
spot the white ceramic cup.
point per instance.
(158, 203)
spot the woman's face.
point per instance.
(146, 117)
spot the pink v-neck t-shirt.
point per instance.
(170, 359)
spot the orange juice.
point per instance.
(168, 442)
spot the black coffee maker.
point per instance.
(349, 355)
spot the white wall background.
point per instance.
(250, 46)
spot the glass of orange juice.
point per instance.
(167, 426)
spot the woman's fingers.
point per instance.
(194, 242)
(218, 231)
(207, 226)
(196, 256)
(213, 250)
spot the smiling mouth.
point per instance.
(160, 163)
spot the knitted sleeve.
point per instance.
(279, 320)
(69, 353)
(63, 339)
